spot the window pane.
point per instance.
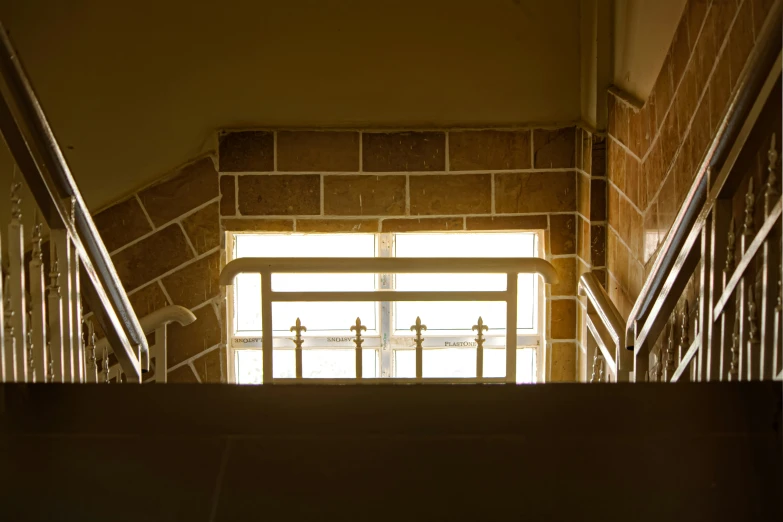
(461, 363)
(247, 302)
(333, 364)
(462, 316)
(321, 317)
(443, 362)
(315, 364)
(495, 364)
(316, 316)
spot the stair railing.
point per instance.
(104, 370)
(41, 327)
(510, 267)
(731, 330)
(606, 333)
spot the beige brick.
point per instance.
(598, 245)
(151, 257)
(191, 186)
(317, 151)
(720, 90)
(526, 192)
(531, 222)
(421, 224)
(583, 194)
(554, 149)
(203, 228)
(364, 195)
(587, 152)
(563, 362)
(489, 150)
(583, 238)
(147, 300)
(740, 41)
(563, 320)
(403, 151)
(228, 195)
(121, 223)
(247, 151)
(598, 156)
(451, 194)
(279, 195)
(566, 272)
(183, 375)
(337, 225)
(617, 165)
(258, 225)
(597, 200)
(210, 367)
(187, 341)
(195, 283)
(562, 234)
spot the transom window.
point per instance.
(389, 348)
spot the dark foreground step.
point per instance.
(391, 453)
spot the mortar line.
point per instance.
(144, 210)
(176, 220)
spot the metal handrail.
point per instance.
(391, 265)
(750, 84)
(610, 320)
(162, 317)
(510, 267)
(604, 307)
(38, 156)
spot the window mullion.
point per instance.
(385, 249)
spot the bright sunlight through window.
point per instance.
(389, 349)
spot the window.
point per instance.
(389, 348)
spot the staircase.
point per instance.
(709, 448)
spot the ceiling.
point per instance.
(134, 88)
(643, 30)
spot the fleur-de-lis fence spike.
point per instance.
(51, 362)
(734, 366)
(779, 306)
(297, 329)
(659, 366)
(105, 365)
(16, 199)
(30, 362)
(418, 328)
(730, 244)
(10, 340)
(54, 274)
(358, 341)
(752, 326)
(684, 340)
(480, 328)
(749, 229)
(771, 189)
(37, 238)
(597, 367)
(92, 360)
(419, 340)
(669, 369)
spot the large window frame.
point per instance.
(386, 340)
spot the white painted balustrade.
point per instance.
(728, 326)
(42, 327)
(41, 332)
(511, 267)
(156, 323)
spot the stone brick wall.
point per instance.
(371, 181)
(165, 242)
(654, 150)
